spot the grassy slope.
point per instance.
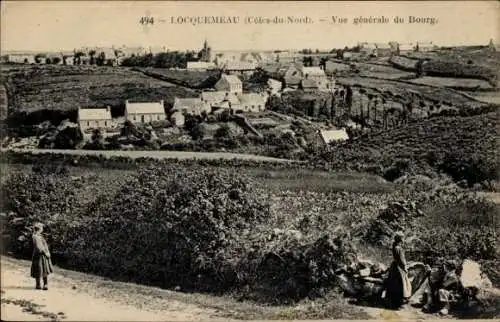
(33, 88)
(430, 94)
(475, 135)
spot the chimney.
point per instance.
(108, 109)
(161, 102)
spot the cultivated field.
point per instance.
(190, 79)
(463, 147)
(402, 89)
(457, 83)
(64, 88)
(382, 71)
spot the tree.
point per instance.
(348, 100)
(197, 132)
(420, 68)
(222, 132)
(101, 59)
(92, 57)
(369, 105)
(97, 140)
(56, 60)
(39, 58)
(78, 57)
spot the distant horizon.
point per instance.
(35, 51)
(53, 26)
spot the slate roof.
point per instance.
(252, 99)
(217, 97)
(189, 103)
(312, 71)
(199, 65)
(92, 114)
(232, 79)
(333, 135)
(239, 65)
(308, 83)
(145, 108)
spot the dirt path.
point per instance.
(134, 154)
(76, 298)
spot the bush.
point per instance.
(160, 228)
(222, 132)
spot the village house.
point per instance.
(293, 75)
(383, 49)
(367, 49)
(94, 118)
(144, 112)
(229, 84)
(493, 46)
(178, 119)
(20, 59)
(325, 137)
(199, 66)
(254, 58)
(252, 102)
(239, 67)
(220, 100)
(274, 86)
(351, 55)
(425, 47)
(308, 85)
(68, 60)
(317, 75)
(110, 58)
(85, 60)
(193, 106)
(275, 70)
(404, 48)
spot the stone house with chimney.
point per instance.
(144, 112)
(94, 118)
(229, 84)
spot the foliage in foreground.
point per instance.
(212, 230)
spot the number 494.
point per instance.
(146, 21)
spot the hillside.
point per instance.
(477, 63)
(62, 89)
(464, 147)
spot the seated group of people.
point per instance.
(444, 283)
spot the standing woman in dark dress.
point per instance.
(41, 264)
(398, 286)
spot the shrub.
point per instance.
(160, 228)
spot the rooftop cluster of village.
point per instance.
(286, 71)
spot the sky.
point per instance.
(65, 25)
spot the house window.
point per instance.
(105, 123)
(158, 117)
(135, 118)
(253, 106)
(88, 123)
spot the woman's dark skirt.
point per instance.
(41, 266)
